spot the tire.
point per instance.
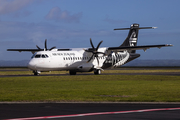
(97, 72)
(35, 73)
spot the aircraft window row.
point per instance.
(80, 58)
(41, 56)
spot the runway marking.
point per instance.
(91, 114)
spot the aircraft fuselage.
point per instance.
(76, 60)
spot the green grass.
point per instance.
(91, 88)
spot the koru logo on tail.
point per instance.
(133, 39)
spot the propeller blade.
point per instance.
(38, 47)
(94, 51)
(90, 58)
(45, 45)
(98, 45)
(52, 48)
(91, 43)
(97, 60)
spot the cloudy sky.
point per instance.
(71, 23)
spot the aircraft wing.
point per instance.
(122, 48)
(34, 50)
(26, 50)
(39, 49)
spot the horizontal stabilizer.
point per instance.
(135, 28)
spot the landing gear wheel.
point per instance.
(97, 72)
(71, 72)
(36, 73)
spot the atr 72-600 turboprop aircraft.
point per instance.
(87, 59)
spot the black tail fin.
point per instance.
(132, 37)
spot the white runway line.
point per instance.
(98, 113)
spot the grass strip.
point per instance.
(91, 88)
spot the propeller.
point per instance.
(45, 46)
(94, 51)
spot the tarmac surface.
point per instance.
(87, 73)
(89, 111)
(78, 73)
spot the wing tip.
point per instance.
(169, 45)
(154, 27)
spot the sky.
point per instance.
(71, 23)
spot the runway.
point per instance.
(89, 111)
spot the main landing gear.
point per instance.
(36, 73)
(97, 71)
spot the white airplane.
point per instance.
(87, 59)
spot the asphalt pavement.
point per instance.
(89, 111)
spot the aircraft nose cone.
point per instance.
(31, 65)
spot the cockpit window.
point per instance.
(40, 56)
(46, 55)
(43, 56)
